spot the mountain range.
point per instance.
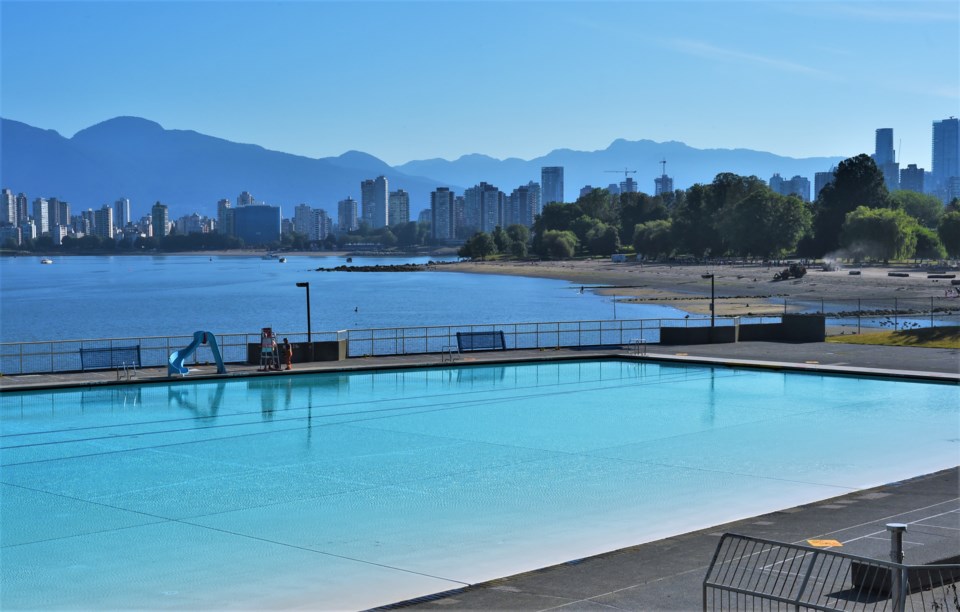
(138, 159)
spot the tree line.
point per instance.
(853, 217)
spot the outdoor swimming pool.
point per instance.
(353, 490)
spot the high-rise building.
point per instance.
(663, 184)
(821, 180)
(224, 218)
(304, 221)
(628, 185)
(460, 229)
(41, 215)
(441, 214)
(103, 222)
(798, 186)
(347, 215)
(586, 190)
(160, 221)
(399, 207)
(946, 155)
(323, 224)
(257, 225)
(886, 158)
(523, 205)
(8, 207)
(911, 178)
(245, 199)
(551, 181)
(121, 212)
(23, 211)
(374, 201)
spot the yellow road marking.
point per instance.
(823, 543)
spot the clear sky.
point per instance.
(412, 80)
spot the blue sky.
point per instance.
(412, 80)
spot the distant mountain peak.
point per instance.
(121, 126)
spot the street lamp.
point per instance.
(309, 333)
(713, 310)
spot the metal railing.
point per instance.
(64, 355)
(763, 574)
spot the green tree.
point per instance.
(480, 245)
(557, 217)
(581, 226)
(388, 239)
(928, 244)
(637, 208)
(408, 234)
(519, 239)
(598, 204)
(765, 224)
(501, 240)
(653, 238)
(949, 231)
(559, 245)
(926, 209)
(603, 239)
(880, 233)
(856, 182)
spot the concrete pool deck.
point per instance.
(667, 574)
(823, 357)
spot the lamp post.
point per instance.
(713, 302)
(309, 332)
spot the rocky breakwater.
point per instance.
(378, 268)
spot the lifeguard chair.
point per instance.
(269, 352)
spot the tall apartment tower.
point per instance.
(628, 185)
(304, 221)
(160, 221)
(347, 215)
(911, 178)
(551, 181)
(946, 155)
(103, 222)
(41, 215)
(245, 199)
(398, 207)
(374, 201)
(886, 158)
(23, 209)
(821, 180)
(224, 217)
(8, 207)
(441, 214)
(663, 184)
(121, 212)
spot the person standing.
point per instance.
(286, 351)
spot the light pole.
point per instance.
(713, 302)
(309, 332)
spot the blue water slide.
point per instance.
(175, 363)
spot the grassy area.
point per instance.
(931, 337)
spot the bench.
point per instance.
(109, 358)
(480, 341)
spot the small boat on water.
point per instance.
(349, 259)
(46, 260)
(283, 260)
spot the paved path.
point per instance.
(668, 574)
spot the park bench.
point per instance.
(110, 358)
(480, 341)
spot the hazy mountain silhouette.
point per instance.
(686, 165)
(139, 159)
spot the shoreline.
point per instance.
(740, 289)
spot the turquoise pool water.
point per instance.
(353, 490)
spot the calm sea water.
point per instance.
(113, 297)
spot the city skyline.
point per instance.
(795, 79)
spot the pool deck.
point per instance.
(667, 574)
(824, 357)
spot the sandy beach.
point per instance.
(741, 289)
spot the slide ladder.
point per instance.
(175, 363)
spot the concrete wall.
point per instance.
(333, 350)
(794, 328)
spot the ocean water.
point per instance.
(347, 491)
(169, 295)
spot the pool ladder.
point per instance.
(128, 372)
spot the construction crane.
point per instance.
(663, 167)
(626, 172)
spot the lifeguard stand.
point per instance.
(269, 353)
